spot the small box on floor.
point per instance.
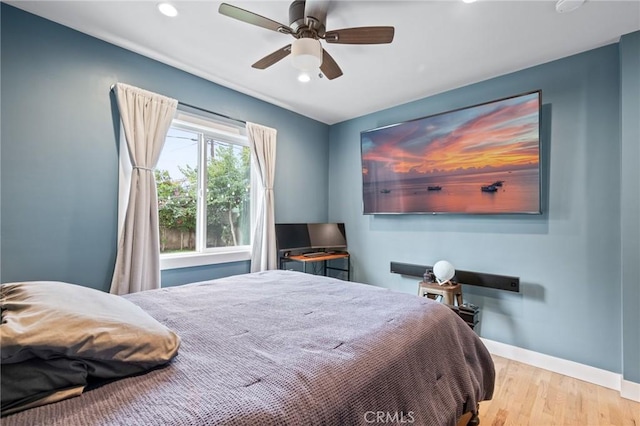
(468, 312)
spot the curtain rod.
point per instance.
(113, 86)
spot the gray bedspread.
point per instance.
(286, 348)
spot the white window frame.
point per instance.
(212, 129)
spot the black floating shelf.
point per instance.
(500, 282)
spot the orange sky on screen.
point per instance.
(503, 138)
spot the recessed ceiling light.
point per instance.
(304, 77)
(167, 9)
(563, 6)
(469, 1)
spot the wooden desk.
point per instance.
(450, 293)
(305, 260)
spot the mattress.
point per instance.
(287, 348)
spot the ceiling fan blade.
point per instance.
(329, 67)
(253, 18)
(272, 58)
(361, 35)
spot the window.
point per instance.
(203, 179)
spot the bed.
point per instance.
(287, 348)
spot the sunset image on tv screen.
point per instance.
(482, 159)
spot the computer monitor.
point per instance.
(301, 236)
(292, 236)
(327, 235)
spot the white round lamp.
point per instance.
(443, 271)
(306, 54)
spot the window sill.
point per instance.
(174, 261)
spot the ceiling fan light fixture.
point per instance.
(306, 54)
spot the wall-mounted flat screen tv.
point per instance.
(483, 159)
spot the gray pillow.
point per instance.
(56, 338)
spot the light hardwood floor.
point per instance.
(526, 395)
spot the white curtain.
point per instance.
(262, 141)
(146, 118)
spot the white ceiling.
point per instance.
(438, 45)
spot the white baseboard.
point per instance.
(630, 390)
(597, 376)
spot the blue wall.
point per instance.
(568, 258)
(59, 155)
(630, 196)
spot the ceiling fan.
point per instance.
(307, 20)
